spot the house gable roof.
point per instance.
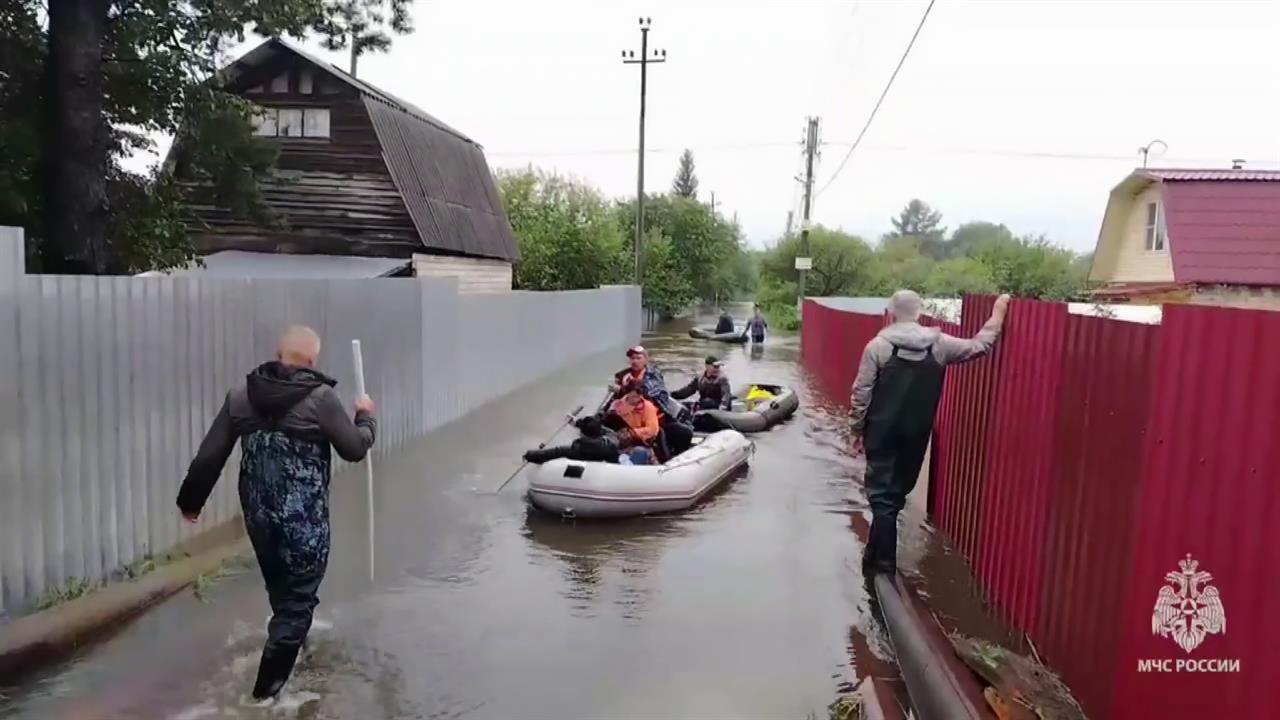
(441, 174)
(1223, 226)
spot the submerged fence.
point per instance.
(1090, 463)
(107, 385)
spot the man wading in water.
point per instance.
(286, 415)
(894, 400)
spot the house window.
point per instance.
(304, 82)
(1155, 227)
(292, 122)
(280, 83)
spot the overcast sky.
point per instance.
(992, 97)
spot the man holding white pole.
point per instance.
(287, 417)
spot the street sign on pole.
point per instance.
(804, 263)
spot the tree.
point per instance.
(703, 243)
(1032, 267)
(569, 238)
(116, 73)
(843, 264)
(900, 263)
(959, 276)
(686, 183)
(664, 289)
(919, 220)
(362, 25)
(970, 236)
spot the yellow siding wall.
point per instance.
(1134, 263)
(475, 275)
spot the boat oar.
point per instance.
(568, 419)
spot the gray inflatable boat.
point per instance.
(781, 406)
(736, 336)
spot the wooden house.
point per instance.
(362, 173)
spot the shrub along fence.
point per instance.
(107, 385)
(1090, 463)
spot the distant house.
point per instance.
(1207, 237)
(361, 174)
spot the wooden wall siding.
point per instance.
(334, 195)
(474, 275)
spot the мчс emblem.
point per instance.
(1188, 608)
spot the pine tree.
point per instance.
(686, 182)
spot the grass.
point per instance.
(845, 707)
(70, 590)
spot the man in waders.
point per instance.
(894, 400)
(286, 416)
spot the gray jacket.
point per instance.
(912, 339)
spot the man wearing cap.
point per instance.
(895, 396)
(712, 387)
(639, 374)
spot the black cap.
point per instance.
(713, 360)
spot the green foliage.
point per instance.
(686, 183)
(920, 221)
(979, 257)
(777, 300)
(159, 63)
(959, 276)
(569, 237)
(843, 264)
(704, 243)
(664, 285)
(70, 590)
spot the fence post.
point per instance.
(12, 268)
(13, 257)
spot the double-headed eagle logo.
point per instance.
(1188, 609)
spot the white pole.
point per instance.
(368, 462)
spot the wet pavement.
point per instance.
(748, 606)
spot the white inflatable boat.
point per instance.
(595, 489)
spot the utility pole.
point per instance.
(713, 202)
(629, 58)
(803, 261)
(791, 214)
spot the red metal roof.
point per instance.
(1175, 174)
(1224, 230)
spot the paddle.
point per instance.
(568, 419)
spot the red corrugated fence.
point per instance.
(1082, 462)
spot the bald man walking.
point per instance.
(286, 416)
(895, 397)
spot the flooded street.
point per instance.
(743, 607)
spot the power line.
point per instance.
(879, 102)
(936, 150)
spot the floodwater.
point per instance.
(748, 606)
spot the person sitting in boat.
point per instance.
(725, 323)
(639, 423)
(595, 445)
(712, 387)
(638, 373)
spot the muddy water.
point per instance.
(749, 606)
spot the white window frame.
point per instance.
(268, 123)
(1155, 235)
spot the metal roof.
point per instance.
(441, 174)
(1224, 232)
(242, 264)
(1184, 175)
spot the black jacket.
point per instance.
(711, 393)
(298, 404)
(601, 449)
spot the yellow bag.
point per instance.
(757, 395)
